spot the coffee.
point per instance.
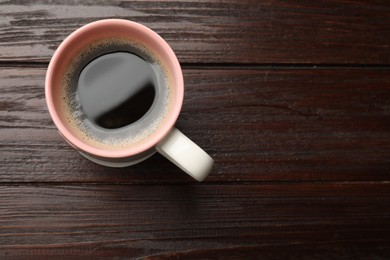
(116, 89)
(116, 93)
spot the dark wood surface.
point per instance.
(291, 98)
(214, 31)
(302, 220)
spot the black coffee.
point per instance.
(115, 93)
(116, 89)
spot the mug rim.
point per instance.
(158, 134)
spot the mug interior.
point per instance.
(100, 30)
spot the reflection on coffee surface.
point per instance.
(116, 89)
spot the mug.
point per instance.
(165, 139)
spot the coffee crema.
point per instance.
(115, 93)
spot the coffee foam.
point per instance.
(121, 138)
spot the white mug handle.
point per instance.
(187, 155)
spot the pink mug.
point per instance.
(165, 139)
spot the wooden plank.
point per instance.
(214, 31)
(331, 220)
(259, 125)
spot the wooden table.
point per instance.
(291, 98)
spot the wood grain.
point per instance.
(259, 125)
(214, 31)
(292, 99)
(196, 221)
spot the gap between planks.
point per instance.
(214, 183)
(229, 66)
